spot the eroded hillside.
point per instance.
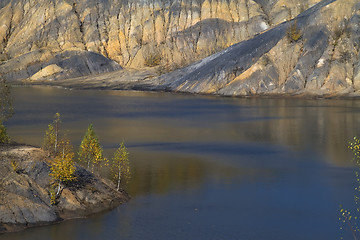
(316, 53)
(269, 47)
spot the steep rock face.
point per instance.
(317, 53)
(25, 184)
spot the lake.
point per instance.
(206, 167)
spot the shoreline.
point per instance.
(147, 87)
(25, 200)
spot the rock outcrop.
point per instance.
(230, 47)
(25, 184)
(42, 64)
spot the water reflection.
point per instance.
(163, 172)
(189, 124)
(274, 163)
(150, 117)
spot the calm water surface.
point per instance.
(206, 167)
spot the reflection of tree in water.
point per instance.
(324, 125)
(163, 172)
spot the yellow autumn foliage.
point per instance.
(121, 166)
(4, 138)
(62, 166)
(52, 136)
(60, 151)
(90, 150)
(347, 218)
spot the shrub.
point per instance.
(52, 194)
(346, 218)
(4, 138)
(15, 165)
(152, 60)
(293, 32)
(121, 165)
(6, 101)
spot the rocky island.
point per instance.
(25, 184)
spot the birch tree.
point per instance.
(52, 136)
(62, 166)
(90, 150)
(61, 157)
(6, 109)
(121, 165)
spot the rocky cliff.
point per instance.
(230, 47)
(25, 184)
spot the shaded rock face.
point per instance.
(232, 47)
(41, 64)
(25, 200)
(317, 53)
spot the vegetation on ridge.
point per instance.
(90, 150)
(121, 166)
(6, 109)
(62, 164)
(348, 219)
(293, 32)
(90, 153)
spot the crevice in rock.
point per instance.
(266, 14)
(128, 21)
(142, 25)
(81, 25)
(8, 31)
(178, 27)
(248, 18)
(57, 26)
(101, 47)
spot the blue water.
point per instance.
(206, 167)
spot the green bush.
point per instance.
(350, 220)
(4, 138)
(293, 32)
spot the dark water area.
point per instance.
(206, 167)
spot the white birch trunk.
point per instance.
(119, 177)
(59, 189)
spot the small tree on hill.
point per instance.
(350, 219)
(90, 150)
(293, 32)
(62, 166)
(6, 109)
(60, 151)
(4, 138)
(121, 166)
(52, 136)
